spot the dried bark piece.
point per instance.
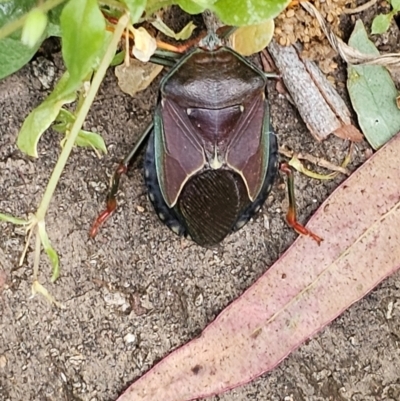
(320, 106)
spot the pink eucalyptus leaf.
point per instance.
(307, 288)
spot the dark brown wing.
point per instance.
(179, 153)
(247, 152)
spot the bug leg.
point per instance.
(111, 197)
(291, 214)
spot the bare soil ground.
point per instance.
(138, 291)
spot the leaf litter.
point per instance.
(306, 289)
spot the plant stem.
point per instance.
(19, 23)
(80, 118)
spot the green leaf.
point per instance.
(53, 28)
(396, 5)
(41, 118)
(381, 23)
(118, 58)
(250, 12)
(83, 36)
(13, 54)
(85, 139)
(51, 253)
(63, 121)
(136, 8)
(13, 9)
(194, 7)
(372, 93)
(14, 220)
(12, 61)
(88, 139)
(55, 14)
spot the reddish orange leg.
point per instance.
(291, 214)
(111, 200)
(121, 169)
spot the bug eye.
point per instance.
(241, 108)
(188, 112)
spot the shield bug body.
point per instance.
(212, 157)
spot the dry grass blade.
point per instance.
(315, 160)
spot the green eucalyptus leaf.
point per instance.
(136, 8)
(83, 38)
(42, 116)
(372, 93)
(250, 12)
(88, 139)
(381, 23)
(51, 253)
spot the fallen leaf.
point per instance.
(307, 288)
(137, 76)
(372, 93)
